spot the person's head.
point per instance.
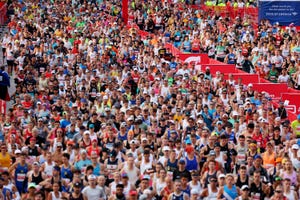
(256, 176)
(245, 190)
(119, 189)
(289, 165)
(39, 196)
(257, 161)
(212, 164)
(287, 182)
(181, 164)
(178, 186)
(56, 171)
(77, 187)
(3, 147)
(101, 180)
(278, 192)
(48, 156)
(55, 186)
(169, 181)
(145, 181)
(92, 180)
(36, 166)
(184, 180)
(83, 154)
(65, 157)
(162, 173)
(213, 181)
(243, 170)
(31, 188)
(133, 195)
(242, 139)
(229, 179)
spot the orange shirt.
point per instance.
(268, 160)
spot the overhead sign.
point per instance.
(283, 11)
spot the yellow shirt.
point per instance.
(296, 127)
(4, 161)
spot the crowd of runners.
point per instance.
(101, 112)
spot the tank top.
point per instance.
(285, 52)
(239, 183)
(113, 188)
(78, 198)
(49, 169)
(179, 197)
(112, 166)
(110, 144)
(91, 150)
(187, 190)
(197, 186)
(20, 173)
(290, 195)
(268, 160)
(211, 195)
(292, 177)
(214, 175)
(160, 186)
(171, 167)
(4, 161)
(54, 197)
(127, 189)
(122, 137)
(145, 166)
(256, 192)
(230, 194)
(132, 174)
(191, 164)
(241, 154)
(37, 179)
(85, 145)
(42, 159)
(66, 174)
(33, 151)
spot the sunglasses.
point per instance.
(278, 191)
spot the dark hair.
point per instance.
(66, 155)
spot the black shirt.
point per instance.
(177, 174)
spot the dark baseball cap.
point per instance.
(78, 184)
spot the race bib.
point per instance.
(21, 177)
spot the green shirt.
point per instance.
(273, 76)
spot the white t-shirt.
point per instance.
(93, 193)
(283, 78)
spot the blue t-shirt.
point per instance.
(82, 164)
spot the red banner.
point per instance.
(221, 68)
(246, 78)
(274, 89)
(125, 11)
(293, 100)
(193, 57)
